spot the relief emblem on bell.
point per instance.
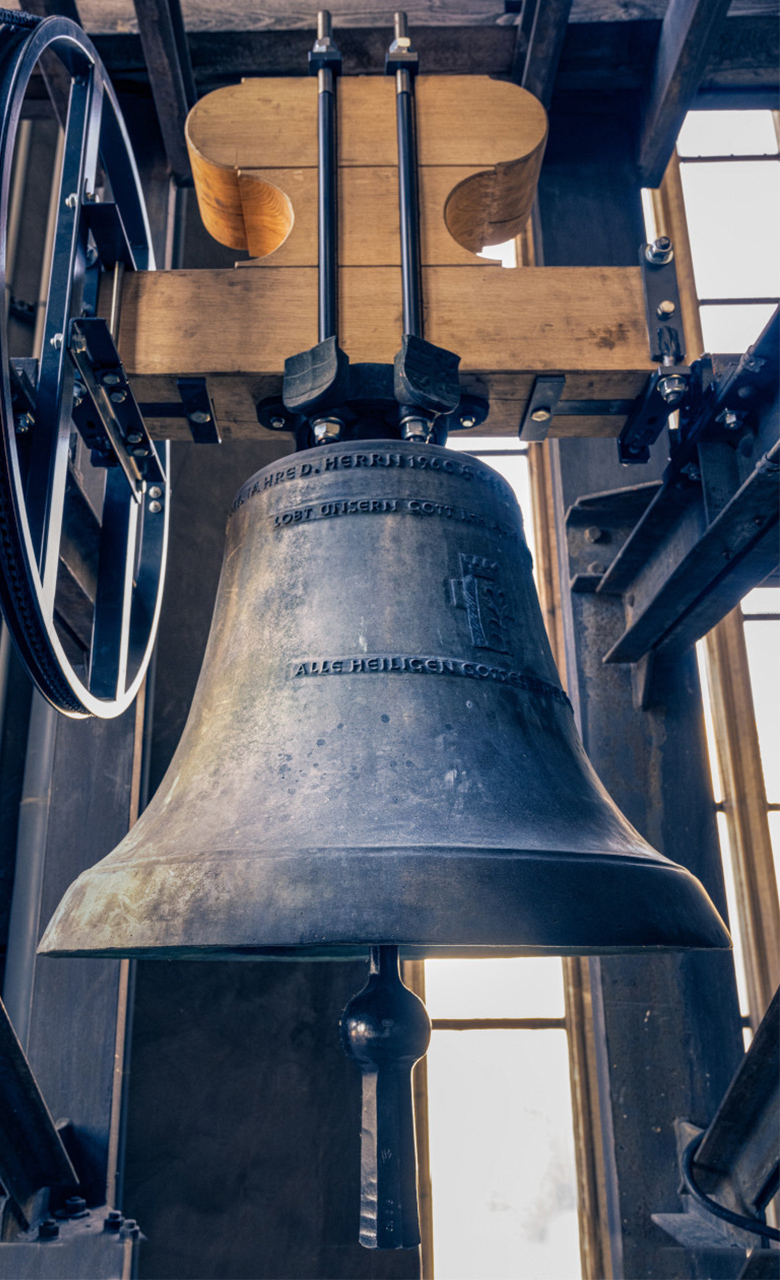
(479, 591)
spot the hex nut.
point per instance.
(660, 251)
(542, 414)
(118, 397)
(672, 388)
(665, 309)
(111, 379)
(72, 201)
(199, 416)
(49, 1229)
(278, 423)
(593, 534)
(56, 341)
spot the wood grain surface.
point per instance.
(238, 327)
(480, 143)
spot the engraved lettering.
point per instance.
(425, 664)
(306, 469)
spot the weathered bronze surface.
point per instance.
(379, 749)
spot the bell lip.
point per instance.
(518, 902)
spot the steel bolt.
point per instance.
(596, 568)
(660, 251)
(692, 471)
(277, 423)
(754, 363)
(140, 453)
(76, 1207)
(79, 392)
(199, 417)
(92, 197)
(118, 397)
(23, 423)
(134, 437)
(593, 534)
(78, 343)
(731, 419)
(155, 491)
(56, 341)
(672, 388)
(542, 414)
(154, 507)
(49, 1229)
(113, 1220)
(416, 430)
(72, 201)
(326, 430)
(111, 379)
(666, 309)
(468, 420)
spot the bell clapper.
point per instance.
(386, 1029)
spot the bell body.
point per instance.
(379, 749)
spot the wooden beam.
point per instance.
(540, 37)
(167, 58)
(238, 327)
(688, 35)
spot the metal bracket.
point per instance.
(662, 301)
(541, 407)
(665, 390)
(105, 410)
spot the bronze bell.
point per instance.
(379, 750)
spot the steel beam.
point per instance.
(689, 34)
(166, 53)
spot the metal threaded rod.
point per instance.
(408, 194)
(327, 190)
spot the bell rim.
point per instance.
(518, 903)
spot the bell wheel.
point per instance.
(77, 467)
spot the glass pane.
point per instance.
(733, 215)
(529, 987)
(762, 600)
(727, 133)
(774, 832)
(763, 645)
(502, 1156)
(733, 922)
(712, 750)
(732, 329)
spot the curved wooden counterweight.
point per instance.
(253, 148)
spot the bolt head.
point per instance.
(23, 423)
(542, 414)
(49, 1229)
(154, 507)
(593, 534)
(140, 452)
(660, 251)
(118, 397)
(468, 420)
(111, 379)
(731, 420)
(672, 388)
(665, 309)
(155, 491)
(56, 341)
(199, 417)
(416, 430)
(326, 430)
(78, 343)
(278, 423)
(72, 201)
(596, 568)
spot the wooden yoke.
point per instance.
(253, 148)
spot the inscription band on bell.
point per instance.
(421, 664)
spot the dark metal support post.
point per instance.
(408, 193)
(327, 194)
